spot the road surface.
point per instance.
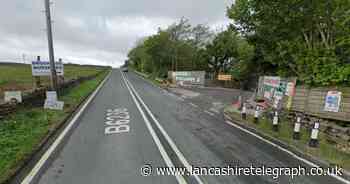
(131, 123)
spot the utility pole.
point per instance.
(50, 45)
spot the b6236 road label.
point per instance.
(117, 121)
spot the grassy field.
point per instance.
(21, 132)
(19, 76)
(326, 151)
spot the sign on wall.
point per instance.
(42, 68)
(9, 95)
(332, 101)
(224, 77)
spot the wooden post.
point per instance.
(37, 82)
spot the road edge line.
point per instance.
(40, 163)
(306, 161)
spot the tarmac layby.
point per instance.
(131, 131)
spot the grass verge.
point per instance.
(21, 132)
(326, 151)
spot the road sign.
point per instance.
(224, 77)
(10, 95)
(53, 105)
(51, 95)
(42, 68)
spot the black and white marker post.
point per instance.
(256, 115)
(297, 126)
(314, 135)
(275, 121)
(244, 111)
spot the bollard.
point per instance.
(244, 112)
(256, 115)
(297, 126)
(275, 122)
(314, 135)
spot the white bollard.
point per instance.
(256, 115)
(275, 121)
(314, 135)
(244, 111)
(297, 126)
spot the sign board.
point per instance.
(272, 81)
(42, 68)
(332, 101)
(224, 77)
(17, 95)
(53, 105)
(51, 95)
(189, 77)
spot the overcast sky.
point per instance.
(95, 31)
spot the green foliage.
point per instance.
(179, 47)
(307, 39)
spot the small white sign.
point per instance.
(54, 105)
(332, 101)
(17, 95)
(51, 95)
(297, 127)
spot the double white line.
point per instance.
(135, 96)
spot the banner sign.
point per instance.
(189, 77)
(224, 77)
(332, 102)
(42, 68)
(272, 81)
(17, 95)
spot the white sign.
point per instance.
(42, 68)
(17, 95)
(332, 101)
(51, 95)
(54, 105)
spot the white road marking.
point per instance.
(28, 179)
(193, 105)
(161, 148)
(211, 114)
(165, 134)
(284, 150)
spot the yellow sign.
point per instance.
(225, 77)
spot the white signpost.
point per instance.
(51, 95)
(42, 68)
(51, 101)
(53, 105)
(17, 95)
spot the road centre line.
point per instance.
(211, 114)
(284, 150)
(156, 139)
(165, 134)
(193, 105)
(31, 175)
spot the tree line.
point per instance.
(308, 39)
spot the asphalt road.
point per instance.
(131, 123)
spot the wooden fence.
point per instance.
(312, 102)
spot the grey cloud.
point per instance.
(102, 30)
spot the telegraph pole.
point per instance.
(50, 45)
